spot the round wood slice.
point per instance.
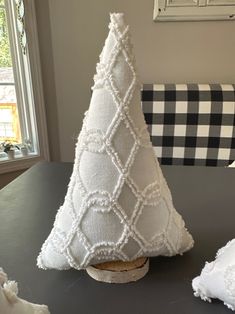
(118, 271)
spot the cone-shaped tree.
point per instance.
(118, 205)
(10, 303)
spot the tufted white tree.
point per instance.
(217, 278)
(118, 205)
(10, 303)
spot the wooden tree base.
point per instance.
(119, 272)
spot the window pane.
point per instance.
(9, 123)
(5, 115)
(5, 55)
(7, 93)
(6, 75)
(6, 130)
(9, 119)
(1, 2)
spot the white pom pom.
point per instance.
(10, 289)
(40, 309)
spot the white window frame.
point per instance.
(193, 10)
(37, 125)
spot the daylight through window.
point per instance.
(18, 125)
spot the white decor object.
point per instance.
(193, 10)
(11, 154)
(118, 205)
(217, 279)
(11, 304)
(232, 165)
(24, 151)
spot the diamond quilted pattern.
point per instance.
(114, 205)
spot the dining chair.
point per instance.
(191, 124)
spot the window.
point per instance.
(22, 110)
(186, 10)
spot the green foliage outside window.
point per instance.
(5, 55)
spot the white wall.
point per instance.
(165, 52)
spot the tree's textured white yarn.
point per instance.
(11, 304)
(217, 279)
(118, 205)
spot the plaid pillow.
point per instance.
(191, 124)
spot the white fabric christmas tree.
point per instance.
(217, 278)
(118, 205)
(10, 303)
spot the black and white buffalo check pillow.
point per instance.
(191, 124)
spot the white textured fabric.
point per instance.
(232, 165)
(11, 304)
(118, 205)
(217, 279)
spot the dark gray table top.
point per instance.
(204, 196)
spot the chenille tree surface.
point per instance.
(118, 205)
